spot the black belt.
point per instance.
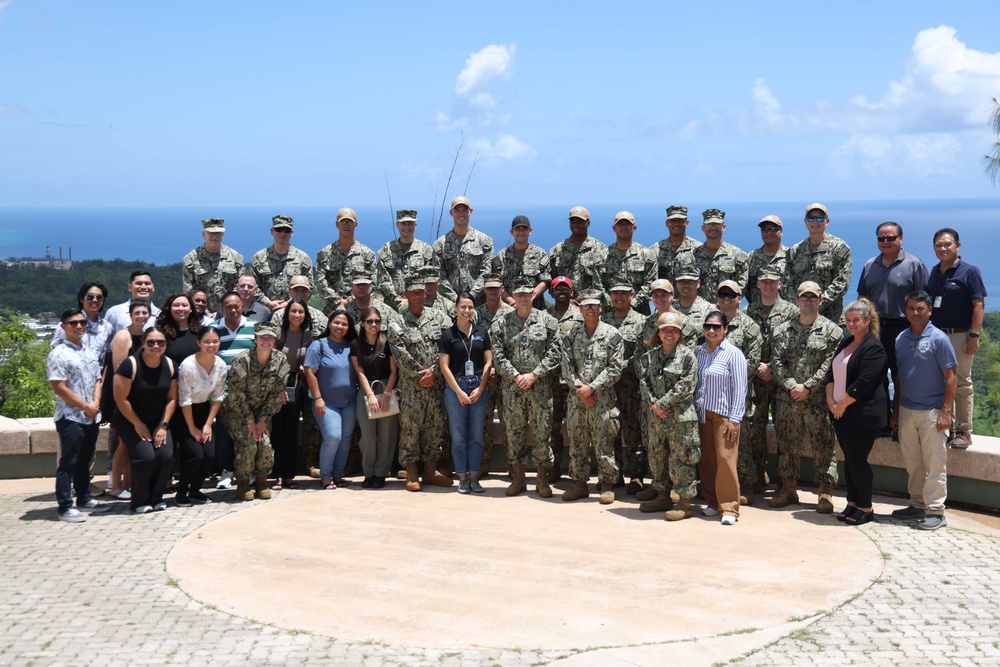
(954, 330)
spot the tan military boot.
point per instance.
(261, 489)
(517, 483)
(243, 491)
(746, 494)
(825, 504)
(412, 477)
(649, 493)
(787, 495)
(682, 510)
(312, 464)
(661, 503)
(433, 477)
(578, 491)
(542, 483)
(607, 493)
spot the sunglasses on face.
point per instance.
(770, 230)
(711, 327)
(816, 218)
(373, 321)
(727, 295)
(156, 343)
(887, 239)
(95, 297)
(76, 323)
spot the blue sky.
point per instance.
(321, 103)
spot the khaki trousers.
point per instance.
(717, 468)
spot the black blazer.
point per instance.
(865, 376)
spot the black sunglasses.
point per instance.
(711, 327)
(373, 321)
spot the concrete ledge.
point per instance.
(15, 437)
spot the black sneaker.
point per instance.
(182, 500)
(909, 512)
(933, 522)
(378, 482)
(199, 498)
(368, 483)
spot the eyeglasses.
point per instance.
(887, 239)
(281, 230)
(770, 230)
(373, 321)
(809, 298)
(95, 297)
(727, 295)
(711, 327)
(156, 343)
(76, 323)
(816, 218)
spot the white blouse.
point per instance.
(194, 385)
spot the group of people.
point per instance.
(417, 344)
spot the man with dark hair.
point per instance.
(212, 266)
(465, 254)
(276, 264)
(140, 287)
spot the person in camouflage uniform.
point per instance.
(525, 351)
(299, 288)
(465, 254)
(822, 258)
(802, 351)
(630, 262)
(676, 246)
(768, 311)
(688, 302)
(631, 455)
(432, 295)
(522, 260)
(716, 260)
(401, 257)
(579, 257)
(414, 340)
(771, 255)
(361, 298)
(593, 357)
(255, 389)
(668, 375)
(275, 265)
(212, 266)
(485, 314)
(337, 262)
(661, 294)
(744, 333)
(565, 313)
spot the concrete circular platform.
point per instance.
(439, 569)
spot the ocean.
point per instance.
(164, 235)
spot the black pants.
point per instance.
(887, 334)
(858, 477)
(285, 440)
(151, 466)
(197, 458)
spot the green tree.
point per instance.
(24, 391)
(986, 379)
(991, 162)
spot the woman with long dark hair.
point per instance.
(377, 376)
(294, 339)
(179, 322)
(90, 298)
(201, 388)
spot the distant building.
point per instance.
(48, 260)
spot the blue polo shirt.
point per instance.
(922, 361)
(957, 288)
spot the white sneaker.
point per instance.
(143, 509)
(72, 515)
(709, 511)
(729, 520)
(94, 507)
(159, 507)
(225, 480)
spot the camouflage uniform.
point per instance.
(534, 265)
(803, 355)
(583, 264)
(763, 394)
(443, 305)
(667, 255)
(728, 263)
(636, 267)
(695, 314)
(494, 399)
(691, 335)
(560, 392)
(464, 263)
(254, 393)
(669, 380)
(829, 265)
(414, 340)
(319, 321)
(386, 312)
(216, 274)
(335, 269)
(631, 456)
(597, 361)
(527, 347)
(745, 334)
(395, 262)
(757, 261)
(274, 271)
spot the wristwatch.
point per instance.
(165, 424)
(973, 334)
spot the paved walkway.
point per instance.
(99, 593)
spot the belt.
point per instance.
(955, 330)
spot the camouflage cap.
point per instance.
(265, 329)
(769, 273)
(362, 279)
(661, 283)
(560, 280)
(579, 212)
(713, 215)
(299, 281)
(429, 274)
(730, 284)
(817, 207)
(770, 219)
(347, 213)
(492, 280)
(414, 282)
(591, 297)
(282, 221)
(522, 285)
(213, 225)
(688, 273)
(670, 320)
(677, 212)
(520, 221)
(460, 200)
(624, 215)
(406, 215)
(810, 287)
(621, 286)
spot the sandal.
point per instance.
(290, 483)
(124, 494)
(328, 484)
(341, 482)
(860, 517)
(848, 511)
(276, 486)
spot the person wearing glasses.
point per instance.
(824, 259)
(801, 354)
(885, 281)
(772, 254)
(97, 338)
(74, 373)
(717, 260)
(146, 396)
(275, 265)
(377, 373)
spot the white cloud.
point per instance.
(8, 110)
(507, 147)
(909, 155)
(483, 66)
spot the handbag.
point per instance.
(393, 408)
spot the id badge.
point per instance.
(470, 368)
(937, 301)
